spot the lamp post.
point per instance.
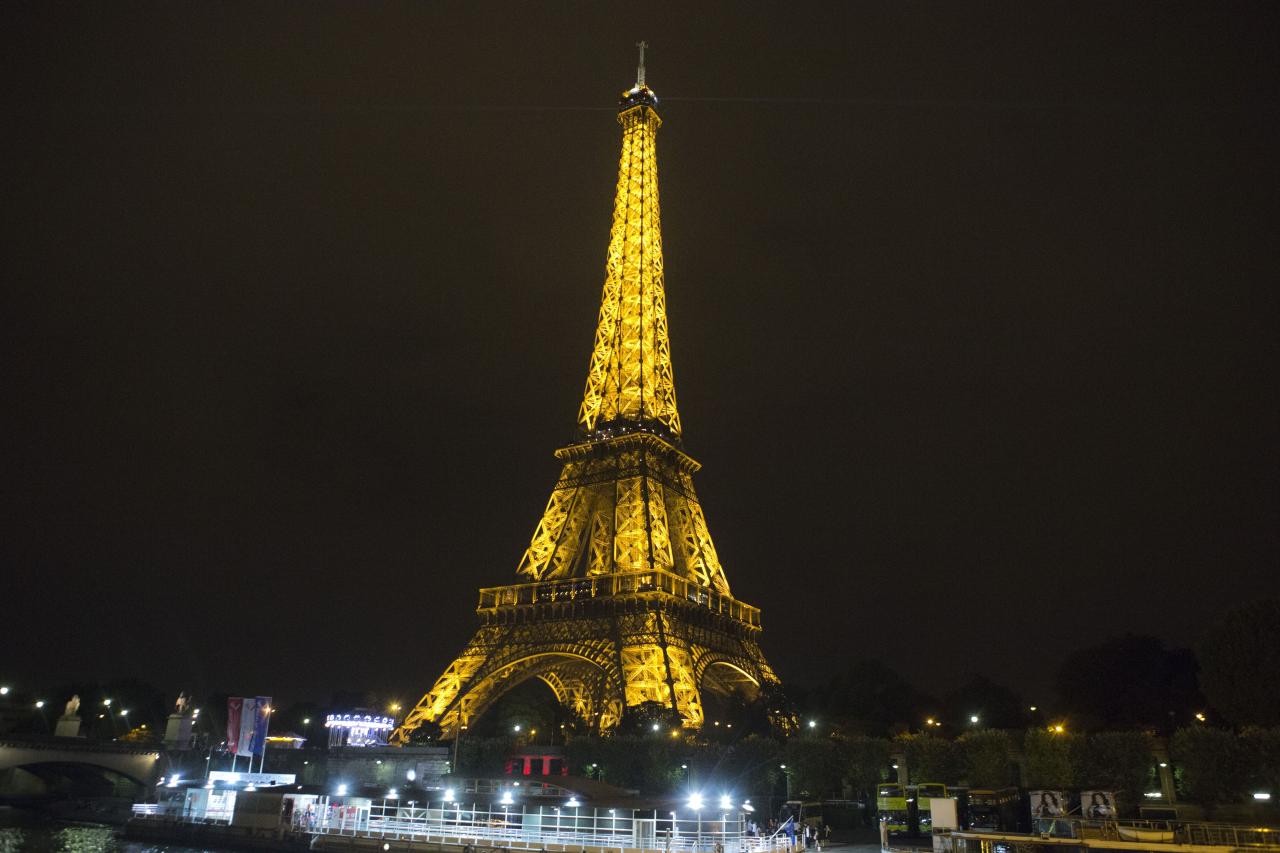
(695, 803)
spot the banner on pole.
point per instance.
(248, 723)
(261, 719)
(235, 709)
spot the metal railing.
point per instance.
(551, 829)
(615, 585)
(1161, 832)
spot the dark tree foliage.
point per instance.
(931, 759)
(868, 698)
(1129, 682)
(987, 758)
(816, 766)
(1212, 764)
(1047, 756)
(647, 763)
(640, 719)
(1262, 748)
(867, 764)
(426, 734)
(1240, 664)
(995, 705)
(1116, 761)
(483, 756)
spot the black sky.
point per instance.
(973, 314)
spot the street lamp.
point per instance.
(4, 691)
(695, 803)
(813, 724)
(973, 718)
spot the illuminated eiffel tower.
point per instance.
(624, 601)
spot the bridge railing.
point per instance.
(617, 585)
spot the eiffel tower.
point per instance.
(623, 600)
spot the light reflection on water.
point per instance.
(77, 839)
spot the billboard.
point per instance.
(1098, 804)
(1048, 803)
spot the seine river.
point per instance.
(22, 833)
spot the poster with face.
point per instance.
(1098, 804)
(1048, 803)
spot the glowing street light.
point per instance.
(39, 703)
(656, 726)
(516, 727)
(813, 724)
(106, 702)
(695, 802)
(4, 691)
(725, 802)
(1200, 716)
(973, 718)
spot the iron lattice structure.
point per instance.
(625, 601)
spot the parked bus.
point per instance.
(891, 803)
(924, 793)
(993, 809)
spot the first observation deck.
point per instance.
(650, 584)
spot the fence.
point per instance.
(551, 829)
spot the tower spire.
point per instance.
(629, 381)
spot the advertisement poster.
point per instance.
(1048, 803)
(1098, 804)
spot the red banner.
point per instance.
(235, 707)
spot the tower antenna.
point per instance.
(640, 68)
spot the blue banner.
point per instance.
(261, 718)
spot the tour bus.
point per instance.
(993, 809)
(891, 803)
(804, 811)
(924, 793)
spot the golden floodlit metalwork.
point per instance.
(625, 601)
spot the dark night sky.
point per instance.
(973, 313)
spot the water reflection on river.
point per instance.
(32, 836)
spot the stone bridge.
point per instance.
(34, 767)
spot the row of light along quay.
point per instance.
(616, 695)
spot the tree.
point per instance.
(1213, 765)
(987, 756)
(482, 756)
(1129, 682)
(1240, 664)
(995, 705)
(931, 759)
(1048, 759)
(1116, 761)
(869, 698)
(816, 766)
(1262, 749)
(866, 760)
